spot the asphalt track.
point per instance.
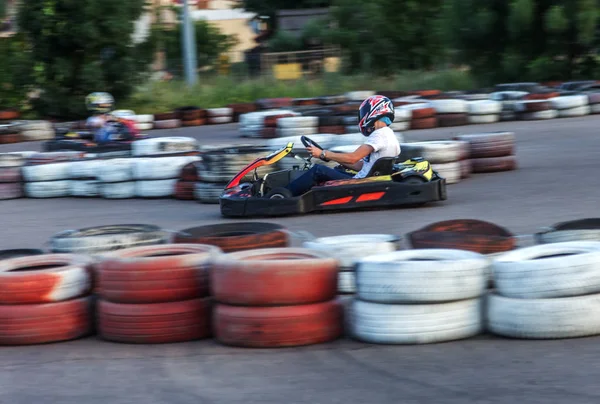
(556, 181)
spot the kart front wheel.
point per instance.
(280, 193)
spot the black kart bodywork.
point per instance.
(390, 184)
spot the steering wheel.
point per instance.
(309, 142)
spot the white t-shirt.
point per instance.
(385, 143)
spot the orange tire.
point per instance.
(184, 190)
(278, 276)
(154, 323)
(44, 278)
(194, 122)
(43, 323)
(264, 327)
(425, 123)
(9, 115)
(155, 274)
(423, 113)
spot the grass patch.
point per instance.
(219, 91)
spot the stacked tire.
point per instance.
(509, 101)
(535, 110)
(297, 126)
(252, 124)
(335, 125)
(491, 152)
(166, 120)
(451, 112)
(32, 131)
(45, 298)
(156, 177)
(446, 157)
(47, 175)
(218, 116)
(547, 292)
(144, 122)
(422, 116)
(156, 294)
(570, 106)
(9, 133)
(11, 178)
(242, 108)
(349, 249)
(191, 116)
(298, 308)
(594, 102)
(484, 111)
(102, 239)
(188, 177)
(83, 180)
(419, 297)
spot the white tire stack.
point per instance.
(359, 95)
(298, 126)
(218, 116)
(155, 177)
(32, 131)
(419, 297)
(402, 119)
(509, 100)
(116, 179)
(570, 106)
(594, 102)
(351, 248)
(83, 178)
(546, 292)
(144, 122)
(445, 156)
(484, 111)
(253, 123)
(49, 180)
(164, 146)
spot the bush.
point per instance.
(15, 65)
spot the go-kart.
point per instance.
(388, 184)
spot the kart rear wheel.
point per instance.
(280, 193)
(413, 179)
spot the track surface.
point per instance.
(556, 181)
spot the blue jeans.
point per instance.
(317, 174)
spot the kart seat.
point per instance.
(383, 166)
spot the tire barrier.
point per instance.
(419, 297)
(45, 298)
(233, 237)
(491, 152)
(298, 308)
(349, 249)
(155, 294)
(433, 292)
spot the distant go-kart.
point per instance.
(388, 184)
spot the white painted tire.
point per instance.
(118, 190)
(37, 135)
(164, 145)
(483, 119)
(574, 112)
(415, 323)
(450, 106)
(258, 118)
(220, 120)
(208, 193)
(484, 107)
(436, 152)
(298, 122)
(84, 168)
(84, 188)
(144, 126)
(569, 101)
(359, 95)
(145, 118)
(155, 189)
(346, 282)
(124, 114)
(540, 115)
(251, 131)
(450, 171)
(351, 248)
(507, 95)
(116, 170)
(568, 317)
(219, 112)
(400, 126)
(422, 276)
(528, 273)
(402, 114)
(160, 168)
(46, 172)
(297, 132)
(508, 116)
(47, 189)
(595, 109)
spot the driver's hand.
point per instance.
(314, 151)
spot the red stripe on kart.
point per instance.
(374, 196)
(339, 201)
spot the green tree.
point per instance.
(14, 71)
(78, 47)
(270, 7)
(524, 39)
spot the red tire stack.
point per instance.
(279, 297)
(191, 116)
(45, 298)
(269, 130)
(155, 294)
(184, 188)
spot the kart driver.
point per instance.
(105, 126)
(375, 116)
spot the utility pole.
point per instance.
(189, 46)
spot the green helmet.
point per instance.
(99, 102)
